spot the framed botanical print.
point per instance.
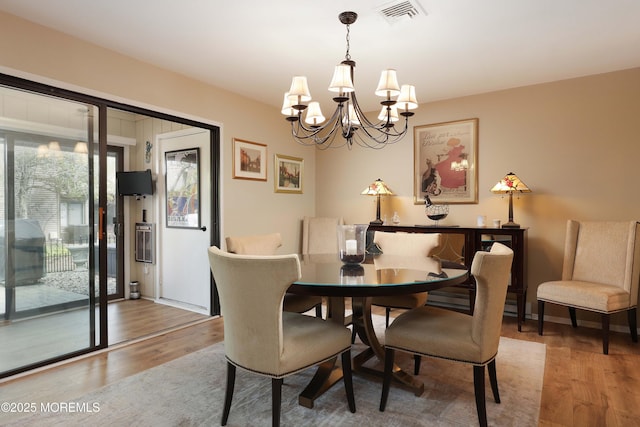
(445, 164)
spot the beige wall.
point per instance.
(575, 143)
(249, 207)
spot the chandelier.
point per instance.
(348, 120)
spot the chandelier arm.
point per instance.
(380, 126)
(317, 135)
(376, 132)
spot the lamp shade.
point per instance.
(407, 99)
(352, 119)
(314, 114)
(388, 84)
(341, 81)
(393, 113)
(377, 188)
(299, 87)
(287, 105)
(510, 184)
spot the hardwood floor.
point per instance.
(582, 387)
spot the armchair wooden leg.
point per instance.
(416, 364)
(386, 381)
(347, 378)
(276, 399)
(228, 395)
(540, 316)
(633, 323)
(493, 378)
(478, 385)
(605, 333)
(386, 320)
(319, 311)
(572, 315)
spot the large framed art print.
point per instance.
(445, 157)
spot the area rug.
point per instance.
(189, 391)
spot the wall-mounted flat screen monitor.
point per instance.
(135, 183)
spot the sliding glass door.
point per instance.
(51, 229)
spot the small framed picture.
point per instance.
(288, 174)
(249, 160)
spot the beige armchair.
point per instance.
(600, 273)
(262, 338)
(267, 244)
(455, 336)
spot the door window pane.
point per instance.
(46, 275)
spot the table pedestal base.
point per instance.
(329, 372)
(326, 376)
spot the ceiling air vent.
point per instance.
(399, 10)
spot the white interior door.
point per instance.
(183, 265)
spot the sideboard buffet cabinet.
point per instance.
(461, 243)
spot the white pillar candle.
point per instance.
(351, 247)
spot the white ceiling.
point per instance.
(453, 48)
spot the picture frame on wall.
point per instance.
(289, 174)
(182, 184)
(249, 160)
(445, 159)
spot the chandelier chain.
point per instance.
(347, 56)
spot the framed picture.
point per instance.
(445, 162)
(182, 183)
(249, 160)
(288, 174)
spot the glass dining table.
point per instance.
(380, 275)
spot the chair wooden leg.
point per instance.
(633, 323)
(386, 320)
(347, 378)
(386, 381)
(319, 311)
(605, 333)
(540, 316)
(478, 385)
(276, 399)
(416, 364)
(493, 378)
(572, 315)
(228, 395)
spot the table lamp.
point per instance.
(377, 188)
(509, 185)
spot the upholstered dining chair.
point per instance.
(320, 235)
(405, 244)
(267, 244)
(409, 244)
(262, 338)
(600, 273)
(455, 336)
